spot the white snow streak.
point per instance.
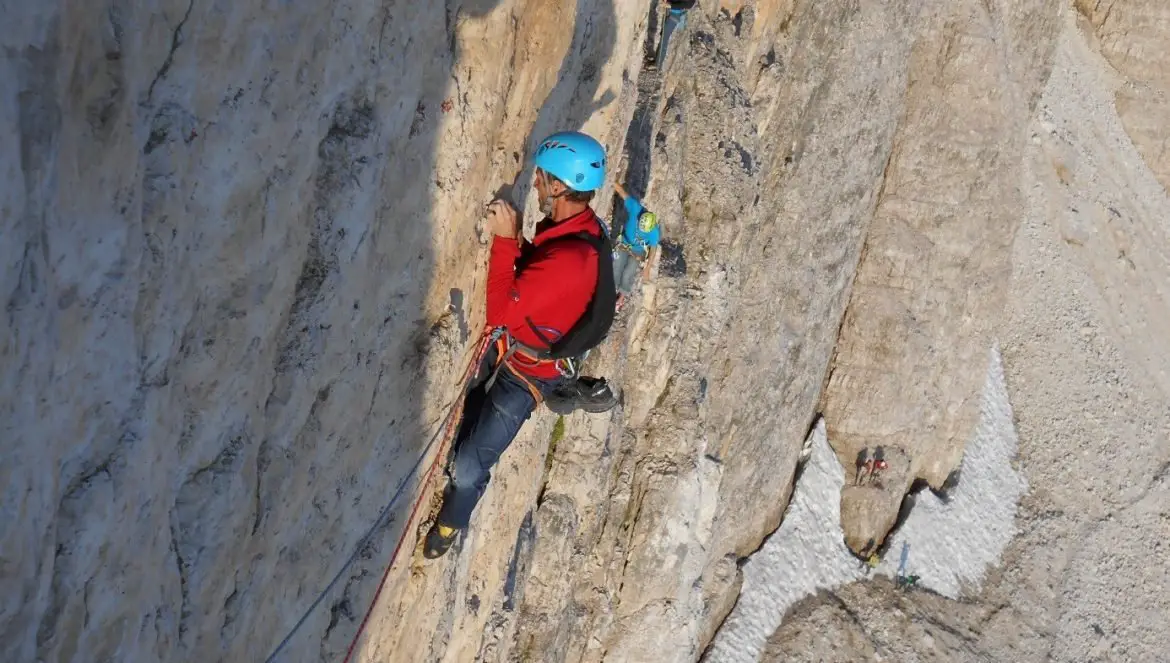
(950, 544)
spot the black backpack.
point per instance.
(593, 325)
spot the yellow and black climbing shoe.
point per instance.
(439, 540)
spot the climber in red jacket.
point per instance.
(541, 301)
(551, 297)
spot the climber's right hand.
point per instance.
(503, 220)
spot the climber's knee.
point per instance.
(468, 472)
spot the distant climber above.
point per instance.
(676, 18)
(550, 299)
(633, 249)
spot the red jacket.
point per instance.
(553, 289)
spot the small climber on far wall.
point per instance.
(632, 251)
(676, 18)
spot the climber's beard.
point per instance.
(544, 196)
(546, 205)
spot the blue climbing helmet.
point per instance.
(574, 158)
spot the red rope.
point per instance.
(452, 417)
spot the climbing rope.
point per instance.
(446, 429)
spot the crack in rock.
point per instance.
(176, 42)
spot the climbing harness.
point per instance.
(510, 353)
(586, 333)
(447, 429)
(506, 348)
(624, 245)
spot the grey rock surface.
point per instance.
(1131, 37)
(1083, 579)
(912, 352)
(241, 276)
(231, 236)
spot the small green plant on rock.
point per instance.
(558, 434)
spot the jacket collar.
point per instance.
(584, 221)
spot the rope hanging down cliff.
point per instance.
(447, 431)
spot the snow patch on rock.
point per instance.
(806, 554)
(950, 544)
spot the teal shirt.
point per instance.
(639, 241)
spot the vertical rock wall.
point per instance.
(1131, 36)
(231, 233)
(240, 274)
(912, 352)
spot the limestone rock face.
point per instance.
(912, 351)
(1085, 306)
(1131, 35)
(875, 619)
(231, 235)
(629, 552)
(242, 273)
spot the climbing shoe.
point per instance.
(439, 540)
(592, 395)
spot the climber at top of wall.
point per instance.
(676, 19)
(633, 253)
(552, 298)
